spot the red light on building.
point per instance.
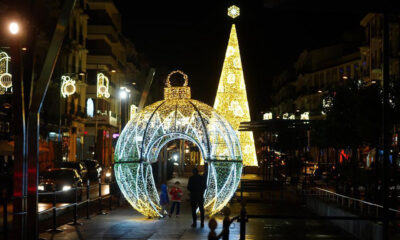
(85, 132)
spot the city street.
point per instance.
(47, 215)
(281, 116)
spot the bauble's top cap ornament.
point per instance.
(171, 92)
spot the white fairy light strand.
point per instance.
(68, 86)
(177, 117)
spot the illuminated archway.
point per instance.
(177, 117)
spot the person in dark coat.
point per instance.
(197, 186)
(164, 199)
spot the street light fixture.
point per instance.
(13, 27)
(124, 92)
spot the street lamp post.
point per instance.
(124, 95)
(26, 148)
(20, 164)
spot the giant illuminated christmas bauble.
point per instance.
(177, 117)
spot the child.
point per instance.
(164, 199)
(176, 197)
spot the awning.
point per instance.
(6, 148)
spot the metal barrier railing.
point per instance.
(100, 197)
(362, 207)
(243, 218)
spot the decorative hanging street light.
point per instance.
(68, 86)
(102, 86)
(5, 76)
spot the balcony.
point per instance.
(102, 60)
(107, 30)
(75, 112)
(104, 118)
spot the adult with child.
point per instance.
(176, 198)
(197, 185)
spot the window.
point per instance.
(356, 71)
(348, 70)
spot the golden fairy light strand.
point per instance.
(177, 117)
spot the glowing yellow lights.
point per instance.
(287, 116)
(230, 51)
(102, 86)
(235, 107)
(233, 11)
(133, 110)
(305, 116)
(68, 86)
(177, 92)
(231, 100)
(231, 78)
(177, 117)
(267, 116)
(185, 77)
(5, 76)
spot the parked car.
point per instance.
(78, 166)
(60, 179)
(94, 170)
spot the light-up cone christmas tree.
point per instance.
(231, 100)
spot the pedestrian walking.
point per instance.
(176, 198)
(197, 186)
(164, 199)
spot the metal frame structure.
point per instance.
(177, 117)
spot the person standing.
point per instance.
(164, 199)
(197, 186)
(176, 198)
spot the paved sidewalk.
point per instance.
(125, 223)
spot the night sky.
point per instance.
(175, 35)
